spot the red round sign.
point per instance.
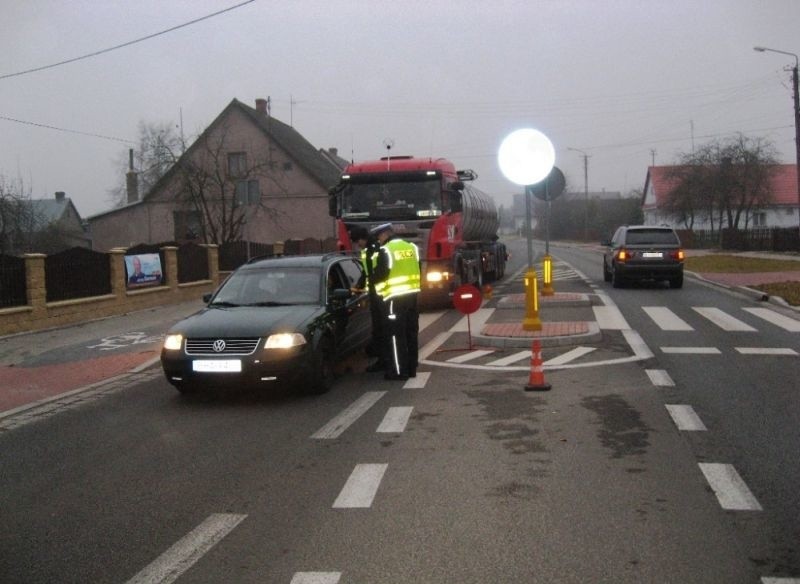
(467, 299)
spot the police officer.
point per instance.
(369, 249)
(397, 282)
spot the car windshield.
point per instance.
(270, 287)
(392, 200)
(651, 236)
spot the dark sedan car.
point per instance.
(643, 252)
(273, 320)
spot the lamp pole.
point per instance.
(585, 192)
(796, 96)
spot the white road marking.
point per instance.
(418, 382)
(691, 350)
(316, 578)
(765, 351)
(510, 359)
(686, 418)
(469, 356)
(786, 323)
(660, 377)
(728, 486)
(476, 321)
(766, 580)
(360, 489)
(183, 554)
(434, 344)
(637, 345)
(426, 319)
(610, 318)
(395, 420)
(575, 353)
(723, 320)
(343, 421)
(666, 319)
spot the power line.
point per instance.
(67, 130)
(129, 43)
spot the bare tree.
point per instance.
(19, 220)
(723, 181)
(224, 187)
(158, 148)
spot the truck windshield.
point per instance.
(392, 200)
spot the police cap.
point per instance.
(380, 229)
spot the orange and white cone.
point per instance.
(536, 380)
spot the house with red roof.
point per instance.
(782, 210)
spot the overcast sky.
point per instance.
(617, 79)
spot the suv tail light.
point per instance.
(623, 255)
(678, 255)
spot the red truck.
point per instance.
(428, 203)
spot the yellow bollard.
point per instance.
(547, 273)
(531, 322)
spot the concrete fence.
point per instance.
(38, 314)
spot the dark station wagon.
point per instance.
(278, 320)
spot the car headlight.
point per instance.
(434, 277)
(173, 342)
(284, 341)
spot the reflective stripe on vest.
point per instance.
(404, 276)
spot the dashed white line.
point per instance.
(360, 489)
(666, 319)
(510, 359)
(786, 323)
(660, 378)
(723, 320)
(691, 350)
(731, 491)
(685, 418)
(395, 420)
(564, 358)
(472, 355)
(343, 421)
(316, 578)
(183, 554)
(610, 318)
(418, 382)
(766, 580)
(765, 351)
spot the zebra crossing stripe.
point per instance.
(731, 491)
(786, 323)
(691, 350)
(575, 353)
(723, 320)
(666, 319)
(510, 359)
(686, 419)
(471, 356)
(316, 578)
(765, 351)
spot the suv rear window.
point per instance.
(651, 236)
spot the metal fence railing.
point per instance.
(233, 254)
(77, 273)
(757, 239)
(13, 290)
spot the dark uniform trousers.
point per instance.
(402, 335)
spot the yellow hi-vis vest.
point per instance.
(404, 277)
(373, 260)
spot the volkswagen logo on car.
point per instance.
(218, 346)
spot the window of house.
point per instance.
(759, 219)
(248, 192)
(237, 164)
(188, 225)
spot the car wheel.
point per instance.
(616, 280)
(676, 282)
(606, 273)
(324, 374)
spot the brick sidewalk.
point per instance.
(23, 385)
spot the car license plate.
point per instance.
(653, 254)
(217, 365)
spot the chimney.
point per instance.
(60, 196)
(131, 180)
(333, 151)
(261, 105)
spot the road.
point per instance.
(462, 477)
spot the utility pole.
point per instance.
(585, 192)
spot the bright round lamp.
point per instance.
(526, 156)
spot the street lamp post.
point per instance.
(585, 192)
(796, 97)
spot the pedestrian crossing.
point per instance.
(667, 320)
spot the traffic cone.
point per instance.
(536, 380)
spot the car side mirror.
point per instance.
(340, 295)
(606, 242)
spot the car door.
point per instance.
(360, 320)
(350, 314)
